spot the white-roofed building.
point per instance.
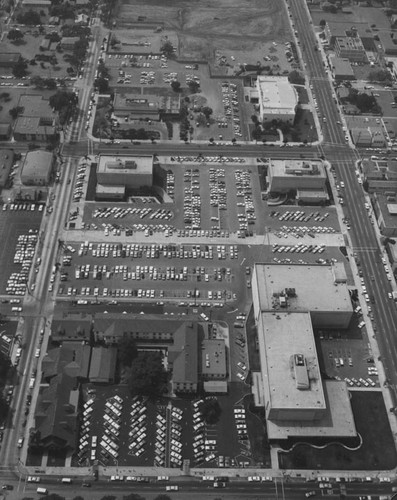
(276, 97)
(289, 300)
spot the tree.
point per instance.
(167, 49)
(256, 134)
(30, 18)
(194, 86)
(323, 23)
(37, 81)
(211, 411)
(133, 496)
(50, 83)
(148, 376)
(380, 75)
(176, 86)
(162, 497)
(207, 111)
(329, 7)
(296, 78)
(254, 119)
(127, 351)
(14, 112)
(53, 496)
(15, 35)
(102, 85)
(19, 69)
(63, 99)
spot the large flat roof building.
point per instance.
(36, 170)
(291, 175)
(289, 300)
(277, 98)
(129, 171)
(287, 347)
(318, 289)
(145, 106)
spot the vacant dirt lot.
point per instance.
(202, 27)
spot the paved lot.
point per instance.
(13, 224)
(212, 196)
(223, 435)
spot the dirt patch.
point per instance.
(226, 24)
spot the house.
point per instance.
(9, 59)
(103, 365)
(68, 42)
(36, 120)
(56, 416)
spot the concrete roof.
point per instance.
(184, 354)
(213, 350)
(342, 67)
(284, 335)
(137, 165)
(338, 420)
(292, 168)
(37, 163)
(9, 57)
(343, 28)
(276, 93)
(103, 364)
(314, 285)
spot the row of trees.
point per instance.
(130, 496)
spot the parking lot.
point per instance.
(19, 225)
(120, 428)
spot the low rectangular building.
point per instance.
(277, 98)
(145, 106)
(37, 168)
(103, 365)
(129, 171)
(68, 42)
(213, 359)
(291, 175)
(9, 59)
(36, 5)
(341, 69)
(36, 121)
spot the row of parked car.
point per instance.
(138, 432)
(24, 254)
(208, 159)
(120, 213)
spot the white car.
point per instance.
(254, 479)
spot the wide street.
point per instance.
(362, 234)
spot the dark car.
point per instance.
(86, 485)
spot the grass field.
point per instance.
(204, 27)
